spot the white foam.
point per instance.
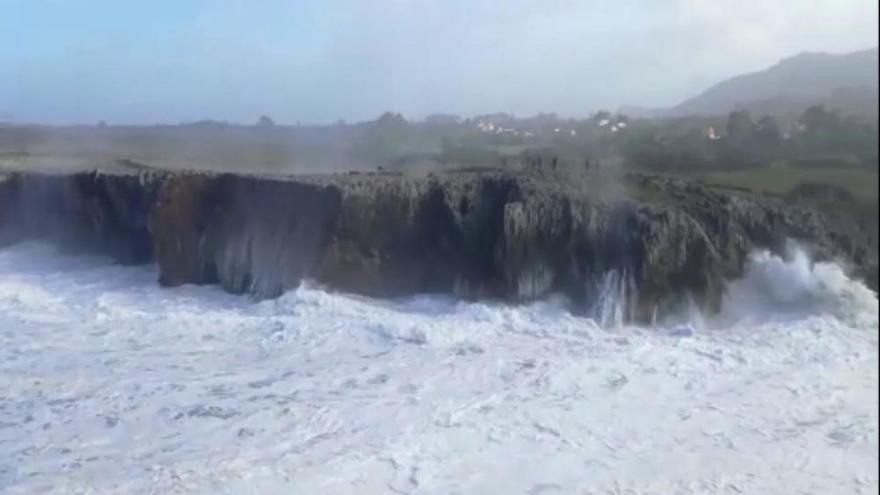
(796, 288)
(111, 384)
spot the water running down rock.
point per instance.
(495, 235)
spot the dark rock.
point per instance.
(249, 235)
(90, 212)
(475, 234)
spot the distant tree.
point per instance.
(740, 127)
(383, 138)
(265, 121)
(767, 132)
(602, 115)
(818, 119)
(390, 119)
(442, 118)
(827, 133)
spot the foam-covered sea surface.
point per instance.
(109, 384)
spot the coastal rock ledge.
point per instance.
(656, 244)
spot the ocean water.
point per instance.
(109, 384)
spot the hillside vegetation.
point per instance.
(846, 82)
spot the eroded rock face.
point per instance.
(472, 234)
(249, 235)
(88, 212)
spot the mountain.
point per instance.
(639, 112)
(847, 82)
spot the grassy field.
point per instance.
(860, 181)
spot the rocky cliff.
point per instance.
(482, 234)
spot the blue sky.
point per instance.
(67, 61)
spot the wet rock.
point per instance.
(474, 234)
(86, 212)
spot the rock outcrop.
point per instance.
(83, 212)
(474, 234)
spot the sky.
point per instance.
(316, 61)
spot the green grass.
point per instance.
(860, 181)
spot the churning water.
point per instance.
(109, 384)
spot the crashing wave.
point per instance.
(793, 287)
